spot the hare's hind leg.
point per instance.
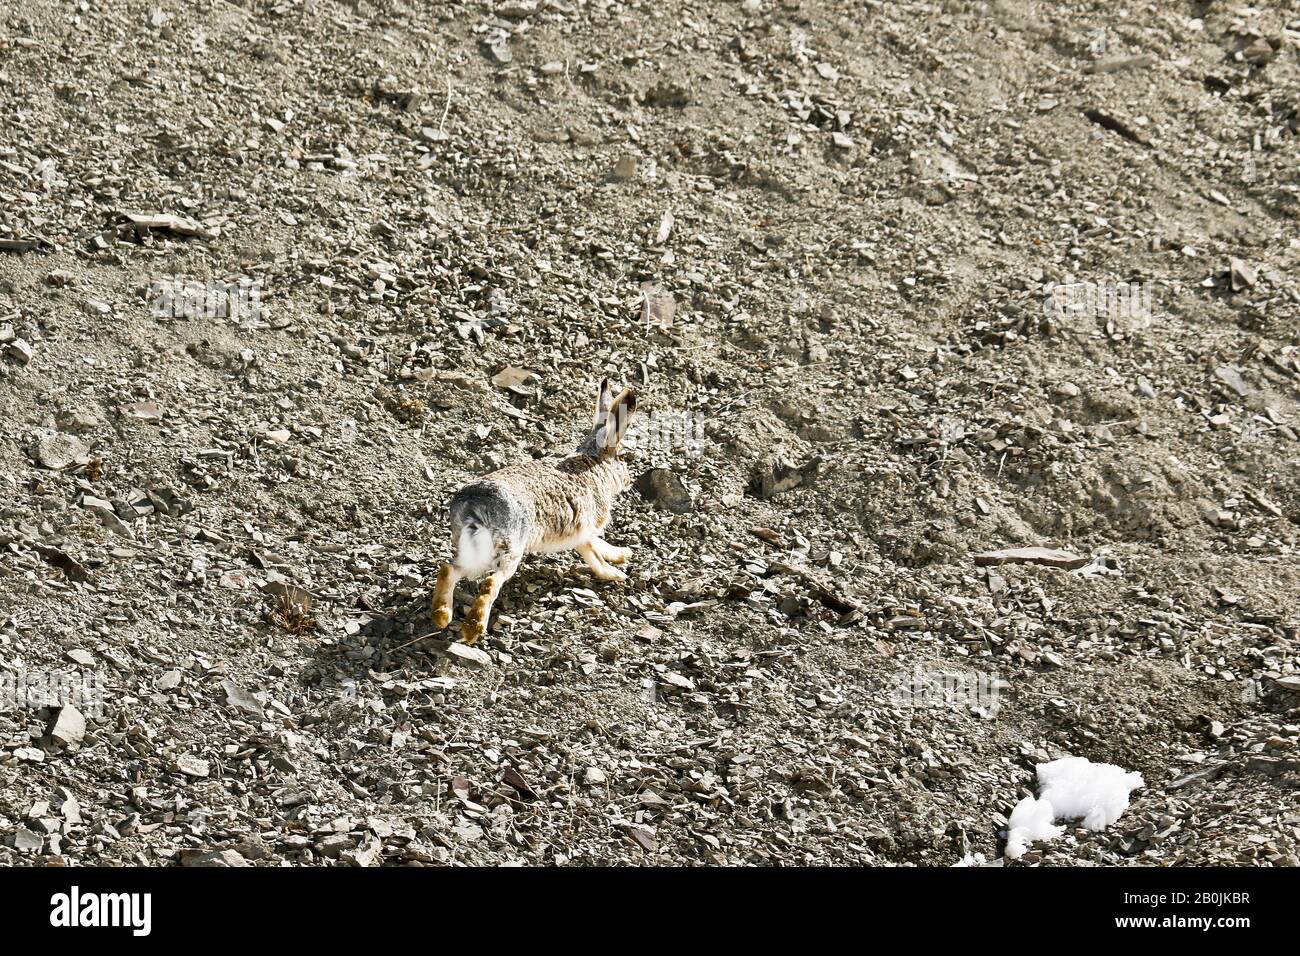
(599, 567)
(609, 553)
(443, 592)
(476, 620)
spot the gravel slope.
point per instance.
(859, 215)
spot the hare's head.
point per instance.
(613, 416)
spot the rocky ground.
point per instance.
(826, 242)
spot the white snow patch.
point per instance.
(1072, 788)
(1097, 793)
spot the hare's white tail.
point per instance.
(475, 550)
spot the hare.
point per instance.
(538, 506)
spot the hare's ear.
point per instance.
(613, 425)
(609, 434)
(603, 402)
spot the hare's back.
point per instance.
(566, 509)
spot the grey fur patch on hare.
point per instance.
(536, 507)
(486, 510)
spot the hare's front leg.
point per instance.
(602, 570)
(443, 592)
(609, 553)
